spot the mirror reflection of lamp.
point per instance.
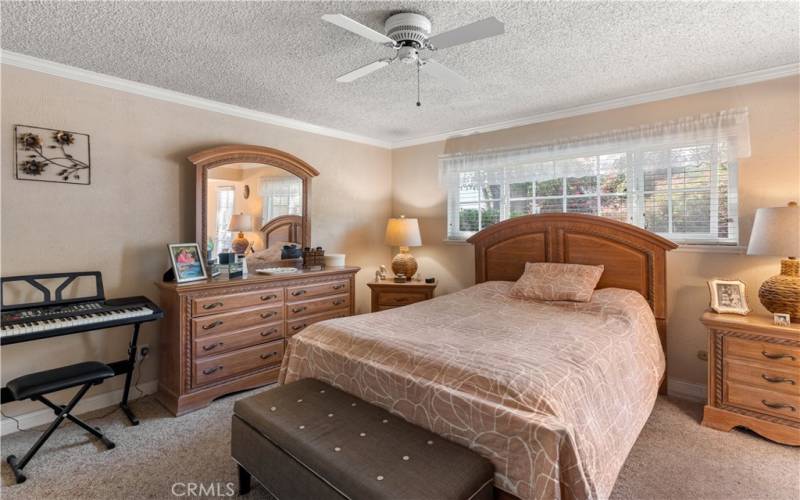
(240, 222)
(776, 232)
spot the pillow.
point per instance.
(555, 281)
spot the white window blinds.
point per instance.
(282, 196)
(677, 179)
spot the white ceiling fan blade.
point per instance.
(345, 22)
(443, 73)
(475, 31)
(363, 71)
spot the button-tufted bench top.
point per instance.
(355, 448)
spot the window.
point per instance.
(680, 186)
(282, 196)
(224, 237)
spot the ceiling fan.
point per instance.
(409, 35)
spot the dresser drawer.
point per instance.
(228, 322)
(215, 368)
(296, 326)
(307, 308)
(298, 293)
(764, 375)
(222, 303)
(763, 401)
(775, 354)
(211, 345)
(400, 298)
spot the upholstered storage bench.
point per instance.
(309, 440)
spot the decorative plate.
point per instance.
(277, 270)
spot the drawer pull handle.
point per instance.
(298, 293)
(209, 371)
(777, 406)
(269, 355)
(269, 297)
(212, 325)
(212, 346)
(299, 327)
(338, 302)
(267, 334)
(779, 355)
(339, 286)
(777, 380)
(298, 309)
(403, 299)
(212, 306)
(268, 315)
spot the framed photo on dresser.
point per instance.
(187, 261)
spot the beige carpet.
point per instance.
(674, 458)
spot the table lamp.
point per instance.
(403, 233)
(240, 222)
(776, 231)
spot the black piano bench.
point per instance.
(36, 385)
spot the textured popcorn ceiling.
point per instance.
(281, 58)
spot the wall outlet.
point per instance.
(702, 355)
(143, 352)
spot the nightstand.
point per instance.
(388, 294)
(753, 376)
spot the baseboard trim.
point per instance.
(687, 390)
(104, 400)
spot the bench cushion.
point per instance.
(48, 381)
(360, 450)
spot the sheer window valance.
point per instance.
(675, 178)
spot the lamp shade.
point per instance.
(776, 231)
(403, 232)
(241, 222)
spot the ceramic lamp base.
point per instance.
(781, 293)
(404, 263)
(240, 244)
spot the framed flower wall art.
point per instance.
(50, 155)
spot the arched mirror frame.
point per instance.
(235, 153)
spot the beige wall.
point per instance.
(770, 177)
(142, 197)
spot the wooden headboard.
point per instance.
(284, 228)
(634, 259)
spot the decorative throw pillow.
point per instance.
(554, 281)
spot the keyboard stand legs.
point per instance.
(132, 350)
(62, 412)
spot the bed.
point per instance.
(553, 393)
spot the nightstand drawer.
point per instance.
(775, 354)
(400, 298)
(769, 402)
(764, 376)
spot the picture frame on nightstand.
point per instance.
(728, 296)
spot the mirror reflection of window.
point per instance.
(282, 196)
(225, 200)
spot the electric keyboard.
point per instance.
(51, 321)
(54, 315)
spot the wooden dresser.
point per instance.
(388, 294)
(223, 336)
(753, 376)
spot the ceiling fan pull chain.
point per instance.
(418, 101)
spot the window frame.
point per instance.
(634, 193)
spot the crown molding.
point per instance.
(142, 89)
(112, 82)
(622, 102)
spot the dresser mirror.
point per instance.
(251, 199)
